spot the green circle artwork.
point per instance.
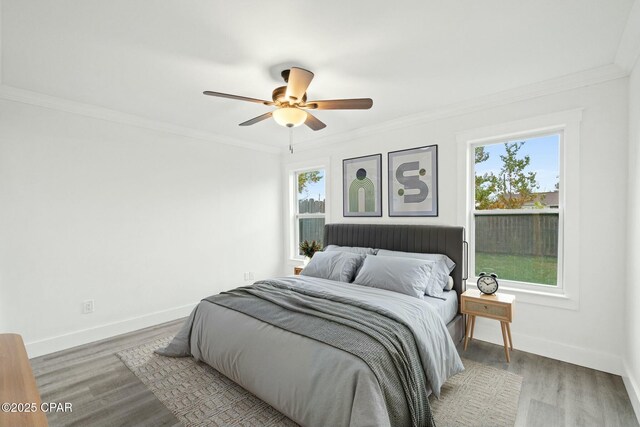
(362, 182)
(422, 172)
(401, 192)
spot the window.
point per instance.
(309, 218)
(516, 218)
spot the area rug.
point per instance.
(198, 395)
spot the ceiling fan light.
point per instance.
(289, 117)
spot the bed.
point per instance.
(292, 342)
(447, 240)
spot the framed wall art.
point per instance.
(362, 186)
(413, 182)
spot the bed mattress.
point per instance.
(447, 308)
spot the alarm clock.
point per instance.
(488, 283)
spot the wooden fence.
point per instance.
(312, 229)
(310, 206)
(534, 234)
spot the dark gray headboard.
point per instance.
(436, 239)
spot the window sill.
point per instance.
(535, 297)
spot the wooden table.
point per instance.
(17, 385)
(497, 306)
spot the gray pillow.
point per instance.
(407, 276)
(440, 274)
(339, 266)
(352, 249)
(417, 255)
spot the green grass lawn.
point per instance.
(521, 268)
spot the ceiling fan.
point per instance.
(292, 108)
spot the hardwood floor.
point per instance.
(105, 393)
(556, 393)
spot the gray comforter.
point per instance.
(272, 338)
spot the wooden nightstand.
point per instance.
(497, 306)
(297, 270)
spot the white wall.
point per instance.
(146, 223)
(593, 334)
(632, 322)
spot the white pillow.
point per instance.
(449, 284)
(404, 275)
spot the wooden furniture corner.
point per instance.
(498, 306)
(297, 270)
(18, 385)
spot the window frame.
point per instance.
(294, 215)
(568, 123)
(559, 287)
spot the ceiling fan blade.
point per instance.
(255, 120)
(314, 123)
(239, 98)
(341, 104)
(298, 82)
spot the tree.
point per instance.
(485, 184)
(305, 178)
(481, 155)
(514, 185)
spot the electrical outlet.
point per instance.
(87, 306)
(248, 275)
(251, 275)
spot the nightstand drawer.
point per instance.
(487, 309)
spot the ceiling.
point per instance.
(153, 58)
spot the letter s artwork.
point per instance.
(412, 182)
(413, 185)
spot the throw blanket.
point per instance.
(377, 336)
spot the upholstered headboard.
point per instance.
(436, 239)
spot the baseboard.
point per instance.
(581, 356)
(86, 336)
(633, 390)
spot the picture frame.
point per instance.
(413, 182)
(362, 186)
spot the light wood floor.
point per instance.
(105, 393)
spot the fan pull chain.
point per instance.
(290, 138)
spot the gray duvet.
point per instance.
(303, 373)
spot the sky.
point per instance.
(315, 189)
(544, 153)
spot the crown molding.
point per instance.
(547, 87)
(10, 93)
(629, 47)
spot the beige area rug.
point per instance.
(198, 395)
